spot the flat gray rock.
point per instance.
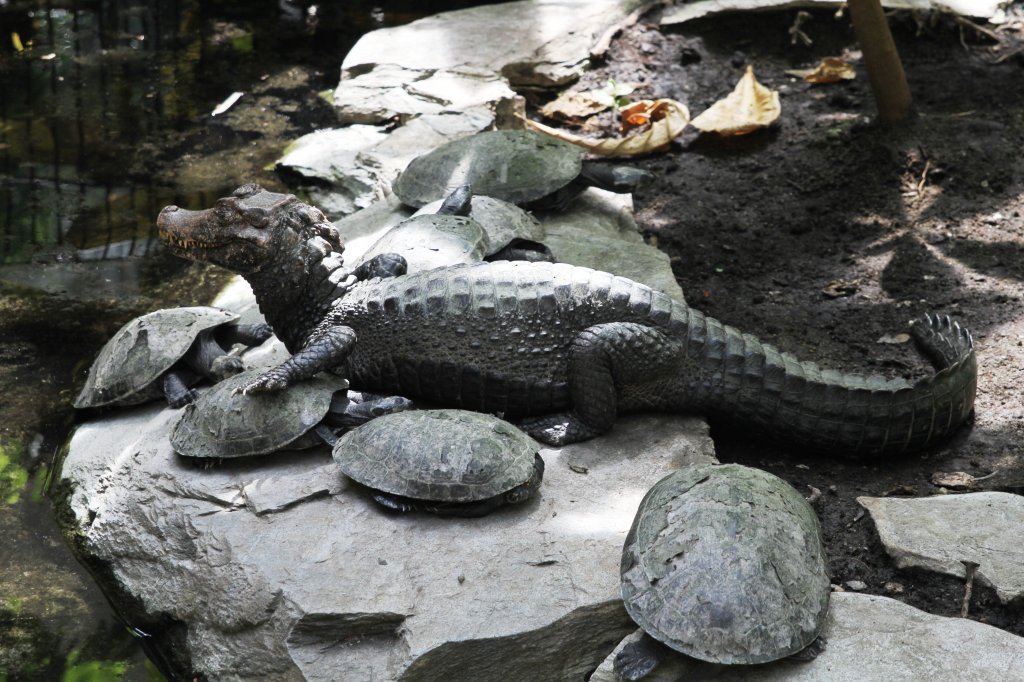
(872, 638)
(352, 168)
(599, 231)
(532, 42)
(329, 156)
(388, 92)
(280, 570)
(939, 533)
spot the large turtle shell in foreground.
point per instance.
(128, 365)
(726, 564)
(514, 165)
(438, 455)
(221, 423)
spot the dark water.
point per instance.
(96, 98)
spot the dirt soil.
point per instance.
(824, 235)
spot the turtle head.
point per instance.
(525, 491)
(249, 229)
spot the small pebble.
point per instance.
(856, 585)
(893, 587)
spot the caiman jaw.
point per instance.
(193, 235)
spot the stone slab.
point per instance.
(389, 92)
(282, 569)
(872, 638)
(694, 10)
(939, 533)
(599, 231)
(532, 42)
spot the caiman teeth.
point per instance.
(193, 244)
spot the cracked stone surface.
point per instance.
(939, 533)
(870, 638)
(354, 167)
(390, 91)
(533, 42)
(281, 570)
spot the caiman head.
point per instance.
(250, 230)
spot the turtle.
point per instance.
(447, 462)
(450, 234)
(723, 563)
(165, 353)
(225, 423)
(510, 233)
(529, 169)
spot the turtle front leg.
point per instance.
(328, 346)
(611, 367)
(245, 334)
(175, 384)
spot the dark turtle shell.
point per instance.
(438, 455)
(221, 423)
(519, 166)
(128, 365)
(726, 564)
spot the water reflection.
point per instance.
(105, 118)
(87, 87)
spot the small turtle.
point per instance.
(226, 423)
(725, 564)
(510, 233)
(529, 169)
(451, 235)
(449, 462)
(168, 350)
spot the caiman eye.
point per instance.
(257, 217)
(223, 213)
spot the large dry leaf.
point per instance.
(575, 105)
(667, 119)
(748, 107)
(830, 70)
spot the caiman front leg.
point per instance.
(328, 346)
(613, 366)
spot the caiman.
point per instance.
(564, 349)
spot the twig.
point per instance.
(924, 175)
(970, 568)
(796, 33)
(967, 23)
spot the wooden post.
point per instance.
(885, 71)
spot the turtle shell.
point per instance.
(432, 241)
(726, 564)
(221, 423)
(519, 166)
(502, 222)
(128, 365)
(438, 455)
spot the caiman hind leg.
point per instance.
(613, 367)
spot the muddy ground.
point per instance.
(925, 217)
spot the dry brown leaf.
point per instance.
(668, 119)
(748, 107)
(830, 70)
(574, 105)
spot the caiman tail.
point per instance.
(825, 410)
